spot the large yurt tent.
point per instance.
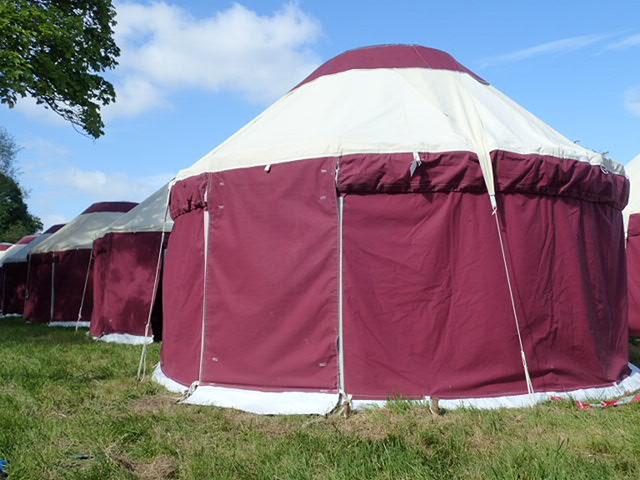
(395, 226)
(59, 284)
(15, 269)
(632, 223)
(127, 273)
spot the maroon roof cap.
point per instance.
(110, 207)
(55, 228)
(390, 56)
(5, 246)
(27, 239)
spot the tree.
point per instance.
(15, 219)
(55, 51)
(8, 151)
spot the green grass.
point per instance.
(63, 394)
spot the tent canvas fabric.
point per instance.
(13, 277)
(124, 273)
(4, 249)
(15, 269)
(632, 222)
(59, 284)
(395, 225)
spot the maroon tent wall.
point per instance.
(14, 280)
(123, 275)
(633, 265)
(426, 304)
(37, 307)
(69, 283)
(184, 269)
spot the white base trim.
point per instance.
(305, 403)
(10, 315)
(125, 338)
(70, 324)
(629, 384)
(254, 401)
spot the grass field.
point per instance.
(64, 395)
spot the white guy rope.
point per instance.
(142, 366)
(84, 290)
(513, 306)
(484, 156)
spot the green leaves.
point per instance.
(15, 219)
(56, 51)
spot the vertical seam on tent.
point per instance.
(84, 290)
(341, 297)
(53, 288)
(142, 365)
(26, 292)
(4, 290)
(204, 286)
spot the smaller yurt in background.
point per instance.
(15, 270)
(632, 223)
(127, 273)
(13, 279)
(3, 249)
(59, 282)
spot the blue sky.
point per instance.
(193, 72)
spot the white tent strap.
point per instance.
(203, 331)
(341, 300)
(53, 289)
(513, 305)
(84, 290)
(142, 365)
(4, 289)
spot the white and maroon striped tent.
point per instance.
(395, 225)
(13, 278)
(15, 269)
(127, 273)
(59, 284)
(632, 218)
(4, 248)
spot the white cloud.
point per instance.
(53, 219)
(43, 148)
(627, 42)
(100, 186)
(557, 47)
(632, 100)
(135, 95)
(165, 49)
(30, 109)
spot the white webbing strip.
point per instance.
(84, 290)
(204, 290)
(513, 304)
(53, 289)
(142, 365)
(26, 292)
(4, 285)
(341, 299)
